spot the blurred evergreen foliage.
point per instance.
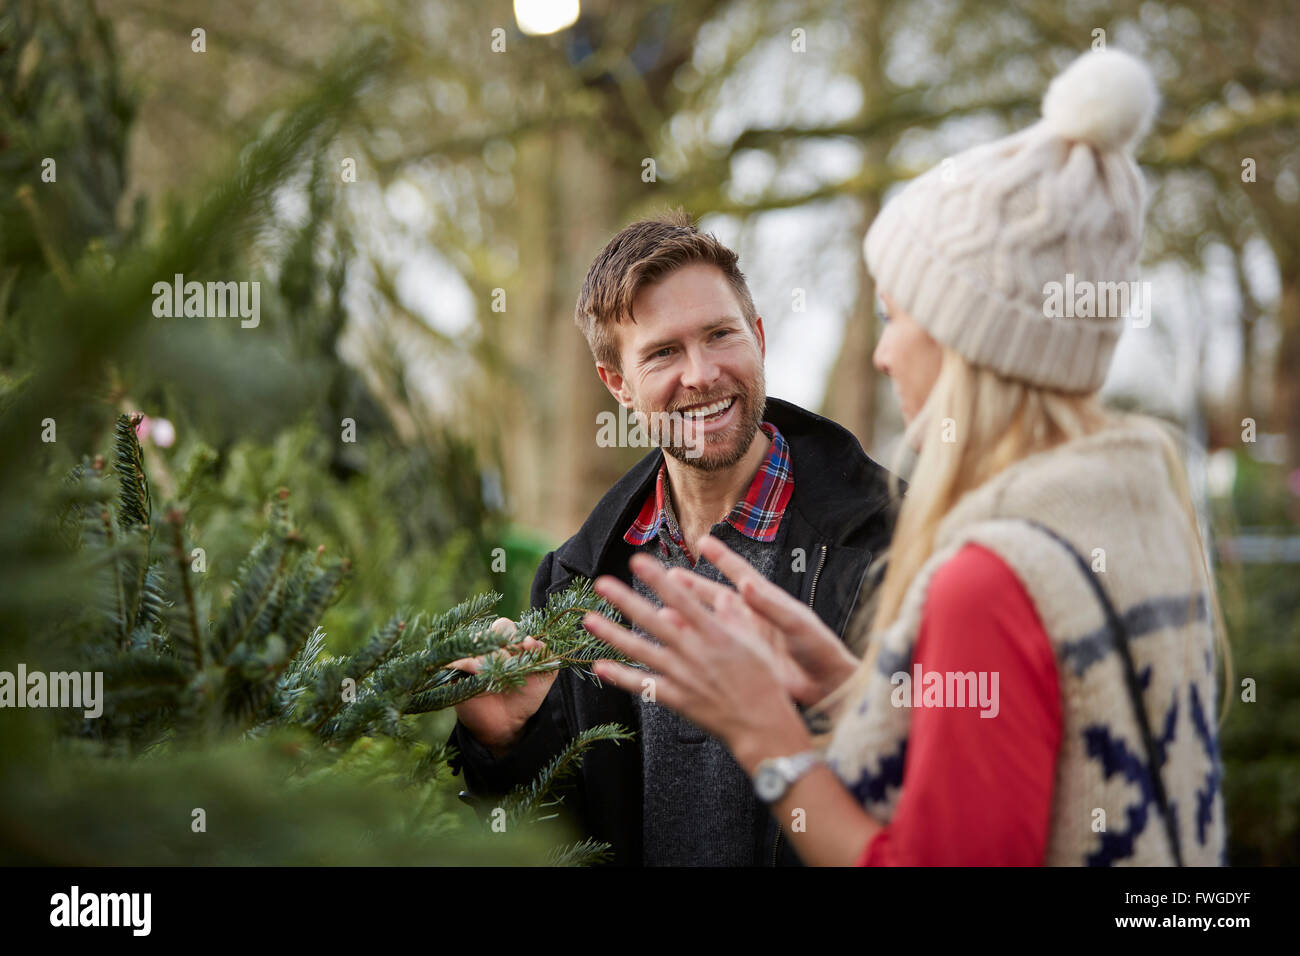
(220, 694)
(1261, 737)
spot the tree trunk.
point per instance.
(554, 473)
(851, 387)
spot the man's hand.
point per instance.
(497, 720)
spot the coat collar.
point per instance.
(837, 488)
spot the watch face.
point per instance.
(769, 784)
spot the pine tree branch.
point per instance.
(523, 804)
(136, 505)
(328, 682)
(192, 637)
(119, 596)
(154, 603)
(461, 617)
(257, 586)
(588, 852)
(454, 692)
(317, 588)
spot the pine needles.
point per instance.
(177, 666)
(529, 804)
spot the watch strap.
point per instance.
(774, 776)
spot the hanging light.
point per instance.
(539, 17)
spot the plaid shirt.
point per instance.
(757, 516)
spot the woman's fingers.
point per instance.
(709, 592)
(666, 623)
(741, 573)
(736, 568)
(635, 681)
(636, 608)
(729, 605)
(788, 614)
(654, 656)
(621, 676)
(676, 596)
(783, 610)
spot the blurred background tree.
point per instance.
(215, 643)
(429, 298)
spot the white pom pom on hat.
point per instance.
(1106, 98)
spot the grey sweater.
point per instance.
(699, 805)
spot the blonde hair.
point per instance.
(1003, 421)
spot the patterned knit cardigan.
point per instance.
(1108, 495)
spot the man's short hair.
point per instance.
(643, 253)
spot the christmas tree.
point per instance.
(290, 711)
(179, 670)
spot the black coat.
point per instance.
(839, 513)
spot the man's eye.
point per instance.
(663, 353)
(721, 332)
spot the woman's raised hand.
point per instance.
(812, 660)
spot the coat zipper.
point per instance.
(812, 594)
(816, 574)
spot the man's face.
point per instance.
(688, 351)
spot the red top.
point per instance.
(977, 791)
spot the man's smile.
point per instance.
(712, 410)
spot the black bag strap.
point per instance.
(1116, 625)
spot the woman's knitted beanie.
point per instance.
(1019, 254)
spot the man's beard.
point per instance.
(724, 449)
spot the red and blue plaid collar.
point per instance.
(758, 516)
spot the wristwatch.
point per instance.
(775, 775)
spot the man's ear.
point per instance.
(614, 382)
(761, 336)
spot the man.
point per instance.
(673, 329)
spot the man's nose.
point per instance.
(701, 371)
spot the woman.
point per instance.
(1044, 634)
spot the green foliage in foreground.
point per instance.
(1261, 736)
(204, 697)
(230, 732)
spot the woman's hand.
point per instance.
(709, 665)
(812, 660)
